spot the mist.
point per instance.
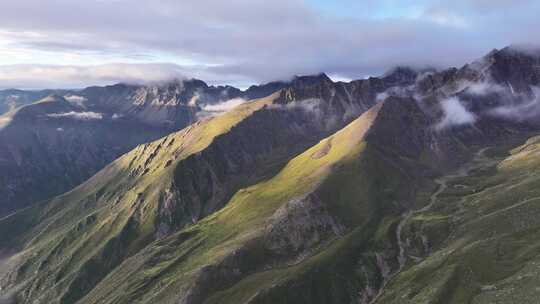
(223, 106)
(528, 108)
(78, 115)
(455, 114)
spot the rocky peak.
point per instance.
(263, 90)
(400, 75)
(308, 87)
(517, 66)
(310, 80)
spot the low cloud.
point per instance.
(208, 110)
(78, 115)
(484, 88)
(308, 105)
(401, 92)
(527, 108)
(455, 114)
(49, 76)
(75, 99)
(224, 106)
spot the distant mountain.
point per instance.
(51, 145)
(12, 99)
(413, 187)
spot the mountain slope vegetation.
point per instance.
(415, 187)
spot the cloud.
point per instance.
(218, 108)
(77, 100)
(224, 106)
(402, 92)
(309, 105)
(484, 88)
(249, 41)
(525, 109)
(78, 115)
(48, 76)
(235, 42)
(454, 114)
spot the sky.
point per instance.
(78, 43)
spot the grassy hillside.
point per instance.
(479, 242)
(186, 219)
(317, 225)
(244, 229)
(74, 240)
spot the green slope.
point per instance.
(479, 243)
(67, 245)
(296, 229)
(185, 220)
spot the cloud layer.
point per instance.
(78, 115)
(224, 106)
(245, 41)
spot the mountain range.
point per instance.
(412, 187)
(51, 141)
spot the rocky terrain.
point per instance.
(412, 187)
(51, 141)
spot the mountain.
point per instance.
(412, 187)
(50, 145)
(12, 99)
(46, 150)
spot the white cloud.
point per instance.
(484, 88)
(78, 115)
(524, 110)
(224, 106)
(234, 42)
(454, 114)
(75, 99)
(46, 76)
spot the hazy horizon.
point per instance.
(74, 44)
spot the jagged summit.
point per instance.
(309, 80)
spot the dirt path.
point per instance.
(479, 160)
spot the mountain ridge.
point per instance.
(342, 208)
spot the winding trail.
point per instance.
(479, 160)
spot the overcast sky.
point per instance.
(76, 43)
